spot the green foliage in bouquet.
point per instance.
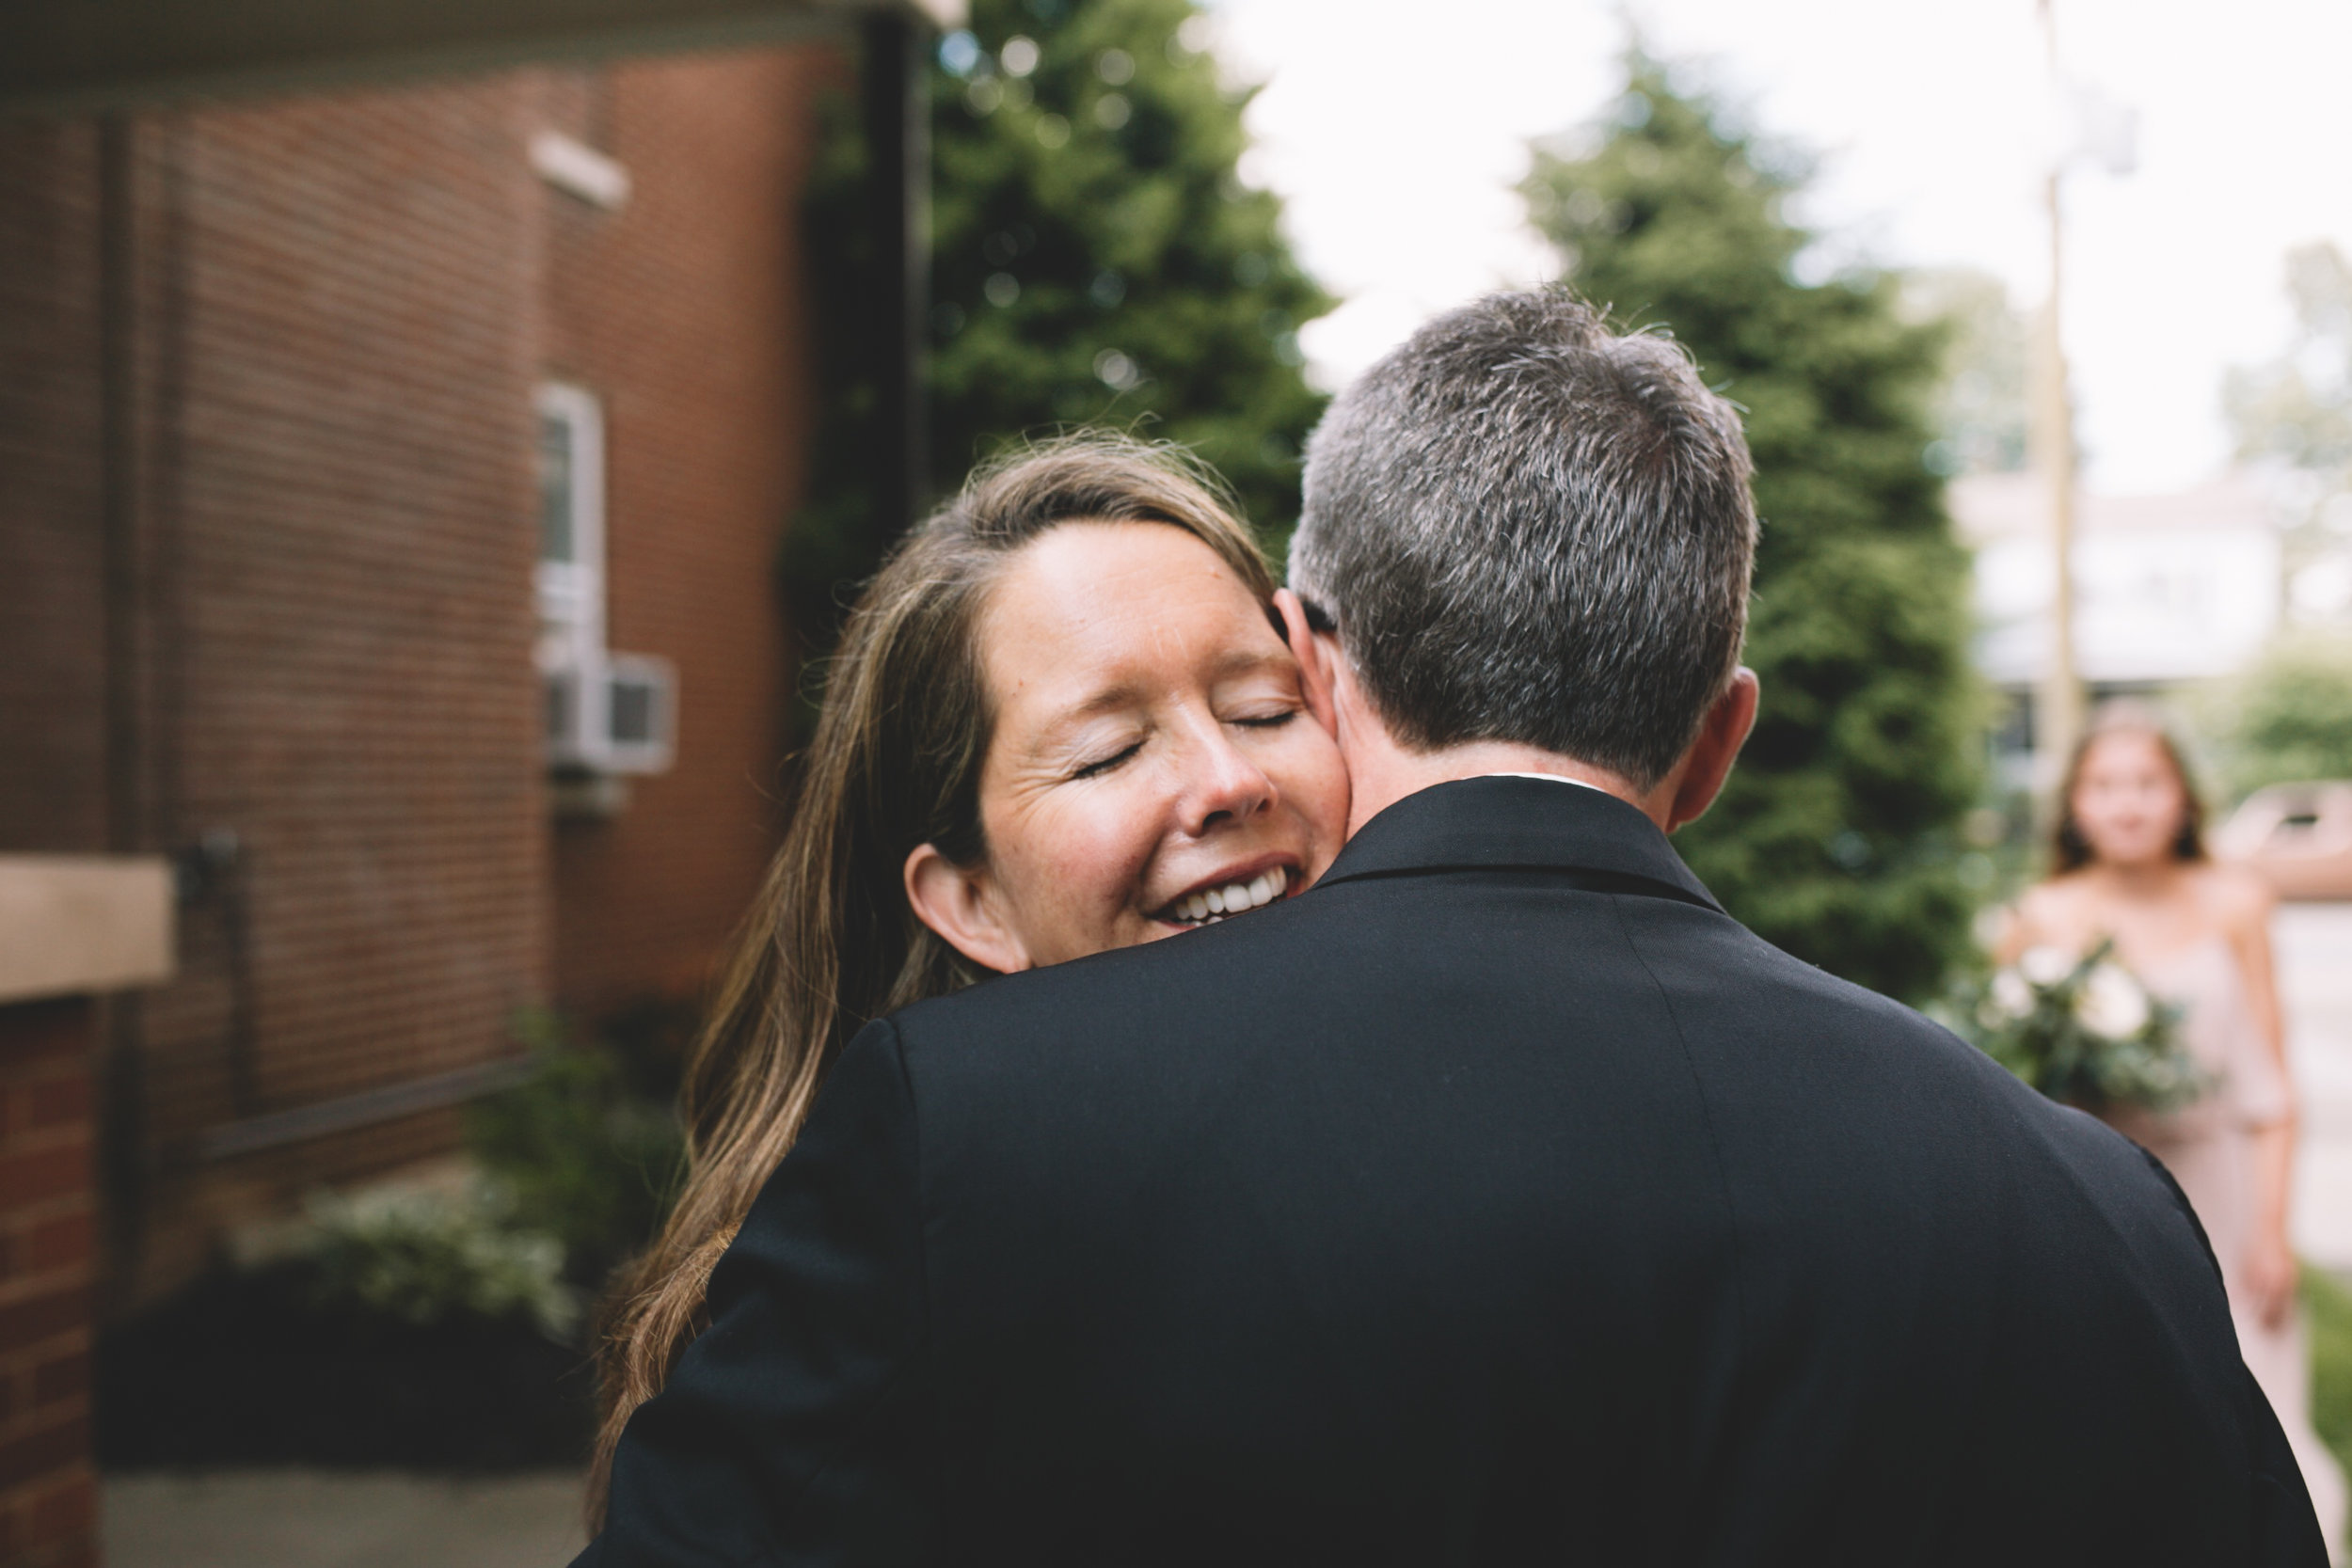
(2086, 1032)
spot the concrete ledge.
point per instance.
(78, 923)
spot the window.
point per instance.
(605, 713)
(571, 528)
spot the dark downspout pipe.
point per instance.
(122, 1075)
(898, 138)
(118, 481)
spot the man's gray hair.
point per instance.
(1530, 528)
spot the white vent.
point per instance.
(617, 714)
(576, 168)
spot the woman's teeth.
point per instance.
(1207, 909)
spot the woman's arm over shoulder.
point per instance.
(792, 1425)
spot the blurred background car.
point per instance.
(2298, 836)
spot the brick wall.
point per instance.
(344, 304)
(48, 1513)
(52, 626)
(684, 311)
(336, 301)
(339, 376)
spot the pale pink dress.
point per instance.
(2208, 1145)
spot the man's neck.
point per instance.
(1382, 773)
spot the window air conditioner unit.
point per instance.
(617, 714)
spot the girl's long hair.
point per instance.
(2069, 850)
(831, 941)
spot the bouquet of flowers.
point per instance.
(2084, 1032)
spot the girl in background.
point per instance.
(2129, 863)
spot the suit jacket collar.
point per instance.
(1531, 824)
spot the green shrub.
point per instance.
(588, 1149)
(425, 1259)
(423, 1327)
(324, 1356)
(2327, 1322)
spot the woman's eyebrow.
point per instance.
(1116, 695)
(1249, 661)
(1108, 698)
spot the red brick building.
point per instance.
(352, 311)
(391, 481)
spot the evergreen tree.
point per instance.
(1096, 261)
(1835, 837)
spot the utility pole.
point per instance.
(2058, 723)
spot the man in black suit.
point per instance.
(1500, 1199)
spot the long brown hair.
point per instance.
(2069, 850)
(832, 943)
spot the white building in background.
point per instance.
(2169, 589)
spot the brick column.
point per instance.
(73, 929)
(48, 1489)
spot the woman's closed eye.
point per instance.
(1265, 700)
(1110, 761)
(1103, 765)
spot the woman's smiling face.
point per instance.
(1151, 766)
(2129, 800)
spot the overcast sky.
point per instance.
(1396, 131)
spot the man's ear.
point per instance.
(1314, 659)
(959, 903)
(1708, 763)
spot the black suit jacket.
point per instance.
(1499, 1200)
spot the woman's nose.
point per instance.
(1225, 783)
